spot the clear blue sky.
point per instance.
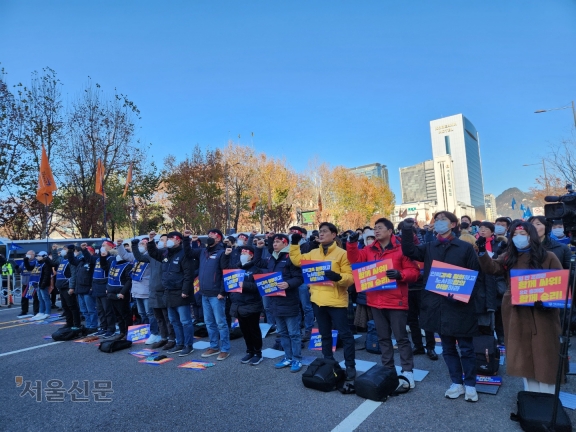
(350, 82)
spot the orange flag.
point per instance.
(128, 181)
(99, 187)
(319, 202)
(46, 183)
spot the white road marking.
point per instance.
(28, 349)
(357, 416)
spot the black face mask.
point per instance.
(210, 242)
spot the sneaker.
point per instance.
(432, 354)
(210, 352)
(418, 351)
(159, 344)
(108, 335)
(100, 333)
(278, 347)
(223, 356)
(455, 391)
(296, 366)
(25, 316)
(410, 377)
(283, 363)
(350, 373)
(187, 350)
(246, 358)
(471, 395)
(176, 349)
(91, 331)
(169, 345)
(46, 316)
(152, 339)
(37, 317)
(272, 330)
(256, 360)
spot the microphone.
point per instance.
(551, 198)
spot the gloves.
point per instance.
(540, 306)
(408, 223)
(353, 238)
(332, 275)
(393, 274)
(70, 247)
(135, 241)
(296, 239)
(451, 298)
(481, 243)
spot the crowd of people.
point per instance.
(176, 281)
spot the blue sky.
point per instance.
(349, 82)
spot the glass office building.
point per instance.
(372, 170)
(417, 182)
(456, 136)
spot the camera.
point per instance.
(563, 207)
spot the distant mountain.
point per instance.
(504, 201)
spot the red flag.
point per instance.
(46, 183)
(128, 181)
(99, 186)
(319, 202)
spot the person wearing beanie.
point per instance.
(211, 261)
(286, 309)
(330, 302)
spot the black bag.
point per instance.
(379, 382)
(200, 330)
(235, 333)
(372, 345)
(487, 355)
(535, 413)
(67, 333)
(111, 346)
(324, 375)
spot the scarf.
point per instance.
(445, 239)
(277, 254)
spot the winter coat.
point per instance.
(99, 284)
(288, 306)
(155, 288)
(211, 262)
(175, 263)
(83, 279)
(324, 295)
(561, 251)
(125, 282)
(393, 298)
(531, 336)
(46, 272)
(140, 288)
(439, 313)
(249, 301)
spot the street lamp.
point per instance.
(544, 168)
(226, 167)
(561, 108)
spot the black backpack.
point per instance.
(67, 333)
(487, 355)
(323, 374)
(372, 345)
(535, 413)
(200, 330)
(235, 333)
(111, 346)
(379, 382)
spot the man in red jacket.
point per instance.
(389, 307)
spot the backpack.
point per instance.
(535, 413)
(323, 374)
(235, 333)
(200, 330)
(487, 355)
(372, 345)
(67, 333)
(379, 382)
(110, 346)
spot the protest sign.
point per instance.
(138, 332)
(371, 276)
(445, 279)
(233, 280)
(314, 272)
(547, 286)
(267, 284)
(316, 340)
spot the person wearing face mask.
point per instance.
(178, 282)
(156, 298)
(41, 278)
(118, 289)
(79, 258)
(304, 290)
(242, 240)
(106, 316)
(140, 275)
(501, 226)
(451, 319)
(247, 307)
(558, 232)
(211, 261)
(64, 273)
(543, 227)
(532, 333)
(30, 258)
(369, 238)
(330, 302)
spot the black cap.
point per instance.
(282, 237)
(217, 231)
(248, 248)
(175, 234)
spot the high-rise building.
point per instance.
(373, 170)
(418, 182)
(444, 175)
(456, 136)
(490, 204)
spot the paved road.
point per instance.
(229, 396)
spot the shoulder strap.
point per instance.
(401, 389)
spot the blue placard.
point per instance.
(233, 280)
(314, 272)
(267, 284)
(445, 279)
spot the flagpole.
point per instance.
(133, 215)
(104, 202)
(46, 219)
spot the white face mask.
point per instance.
(558, 232)
(161, 245)
(244, 259)
(63, 253)
(240, 243)
(119, 258)
(442, 226)
(499, 230)
(520, 241)
(29, 256)
(369, 242)
(142, 249)
(170, 243)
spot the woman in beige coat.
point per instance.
(531, 332)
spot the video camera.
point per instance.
(564, 208)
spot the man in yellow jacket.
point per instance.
(330, 303)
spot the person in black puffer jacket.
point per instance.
(247, 307)
(118, 291)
